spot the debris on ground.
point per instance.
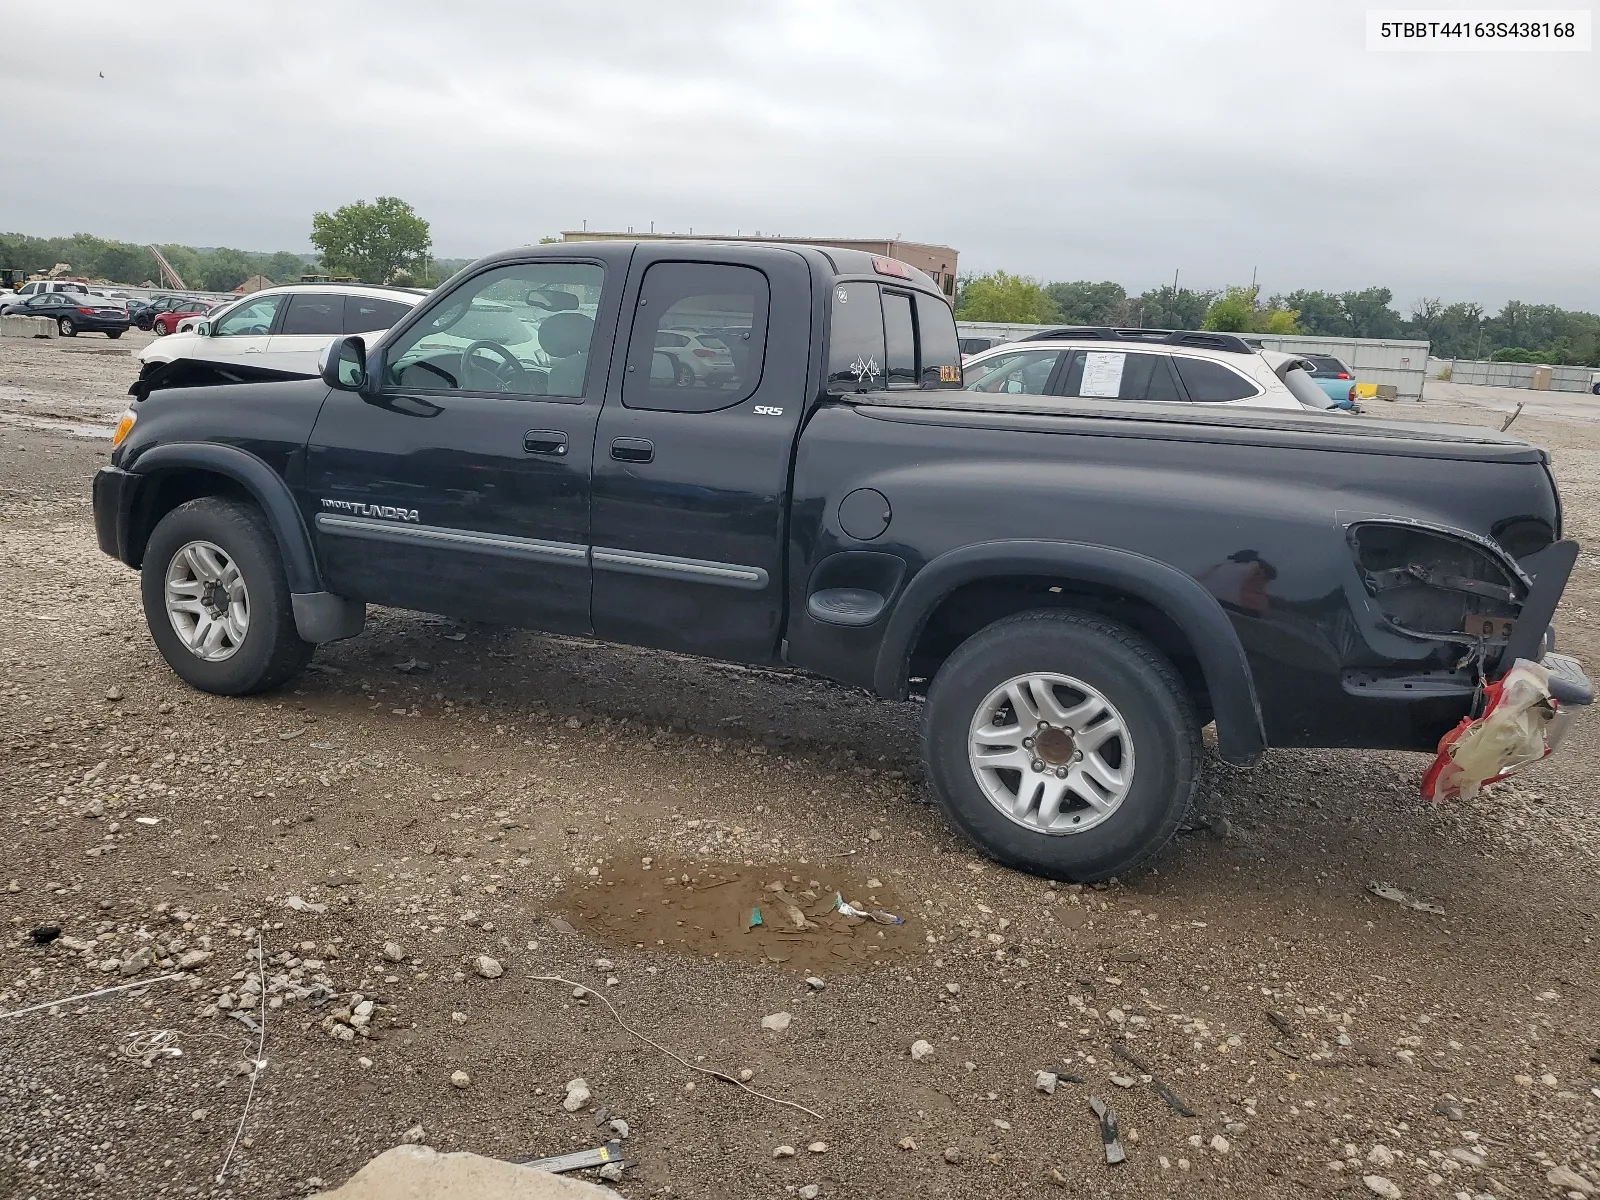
(1109, 1137)
(1388, 891)
(44, 934)
(1382, 1186)
(776, 1022)
(1045, 1081)
(1280, 1022)
(1173, 1101)
(722, 1076)
(578, 1160)
(145, 1046)
(921, 1049)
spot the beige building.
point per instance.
(937, 261)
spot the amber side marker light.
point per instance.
(124, 427)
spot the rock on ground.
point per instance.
(418, 1173)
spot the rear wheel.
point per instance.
(1062, 743)
(682, 374)
(1596, 389)
(113, 334)
(67, 327)
(216, 599)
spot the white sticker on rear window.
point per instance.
(1102, 373)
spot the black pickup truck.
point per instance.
(765, 454)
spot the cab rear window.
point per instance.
(882, 337)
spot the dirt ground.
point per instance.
(441, 833)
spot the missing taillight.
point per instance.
(1432, 583)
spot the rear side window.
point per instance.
(938, 355)
(1119, 375)
(899, 340)
(1327, 365)
(1212, 383)
(856, 350)
(879, 338)
(366, 314)
(699, 337)
(314, 313)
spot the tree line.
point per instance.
(1519, 332)
(379, 242)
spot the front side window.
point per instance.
(1014, 373)
(699, 337)
(524, 329)
(1120, 375)
(252, 319)
(314, 313)
(1212, 383)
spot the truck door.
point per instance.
(692, 457)
(462, 485)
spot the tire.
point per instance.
(158, 329)
(682, 375)
(269, 650)
(66, 327)
(1137, 687)
(114, 334)
(1596, 389)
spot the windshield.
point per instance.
(1305, 389)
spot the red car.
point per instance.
(167, 322)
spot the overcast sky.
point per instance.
(1058, 138)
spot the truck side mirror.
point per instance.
(343, 363)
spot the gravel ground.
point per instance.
(603, 816)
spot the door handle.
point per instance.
(544, 441)
(635, 450)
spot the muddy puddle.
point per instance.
(711, 910)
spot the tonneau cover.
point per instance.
(1197, 423)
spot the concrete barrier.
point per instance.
(27, 327)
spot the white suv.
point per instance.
(283, 329)
(1151, 365)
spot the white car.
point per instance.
(284, 329)
(1152, 365)
(697, 357)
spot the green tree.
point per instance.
(222, 270)
(372, 241)
(1008, 299)
(1239, 310)
(284, 267)
(1235, 312)
(1085, 303)
(1170, 308)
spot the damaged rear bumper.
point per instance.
(1526, 716)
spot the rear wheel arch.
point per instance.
(965, 590)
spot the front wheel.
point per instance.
(66, 327)
(1596, 389)
(159, 329)
(1062, 743)
(216, 599)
